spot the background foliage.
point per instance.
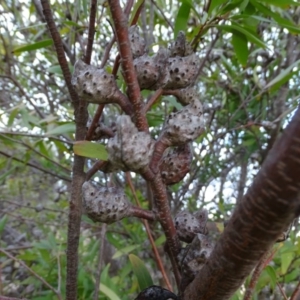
(249, 84)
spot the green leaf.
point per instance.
(141, 272)
(65, 128)
(214, 4)
(90, 149)
(271, 272)
(182, 18)
(239, 43)
(283, 77)
(286, 259)
(33, 46)
(251, 36)
(13, 115)
(125, 250)
(3, 221)
(282, 3)
(108, 292)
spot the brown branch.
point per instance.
(256, 273)
(282, 291)
(130, 77)
(41, 279)
(152, 100)
(75, 204)
(35, 167)
(94, 123)
(147, 227)
(266, 210)
(95, 168)
(89, 47)
(59, 49)
(17, 84)
(296, 292)
(166, 221)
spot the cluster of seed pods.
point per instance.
(174, 69)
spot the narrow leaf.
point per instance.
(108, 292)
(3, 221)
(282, 77)
(239, 43)
(125, 250)
(141, 272)
(273, 278)
(250, 35)
(89, 149)
(182, 18)
(33, 46)
(65, 128)
(214, 4)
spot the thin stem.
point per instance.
(130, 77)
(59, 49)
(95, 122)
(296, 292)
(91, 33)
(147, 227)
(36, 167)
(33, 273)
(154, 98)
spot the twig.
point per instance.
(100, 260)
(36, 136)
(59, 49)
(16, 83)
(152, 100)
(33, 273)
(296, 292)
(36, 167)
(96, 167)
(282, 291)
(9, 298)
(59, 273)
(94, 123)
(130, 77)
(146, 224)
(256, 273)
(37, 152)
(91, 33)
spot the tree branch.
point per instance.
(130, 77)
(266, 210)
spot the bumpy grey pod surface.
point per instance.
(175, 164)
(155, 292)
(183, 71)
(187, 95)
(106, 205)
(188, 225)
(137, 42)
(180, 47)
(96, 85)
(130, 149)
(194, 256)
(152, 72)
(184, 125)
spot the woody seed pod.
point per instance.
(180, 47)
(175, 164)
(96, 85)
(106, 205)
(137, 42)
(130, 149)
(188, 224)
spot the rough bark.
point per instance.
(266, 210)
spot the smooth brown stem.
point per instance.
(154, 98)
(94, 123)
(59, 49)
(91, 33)
(41, 279)
(166, 221)
(149, 234)
(266, 210)
(138, 212)
(130, 77)
(95, 168)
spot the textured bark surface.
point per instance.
(266, 210)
